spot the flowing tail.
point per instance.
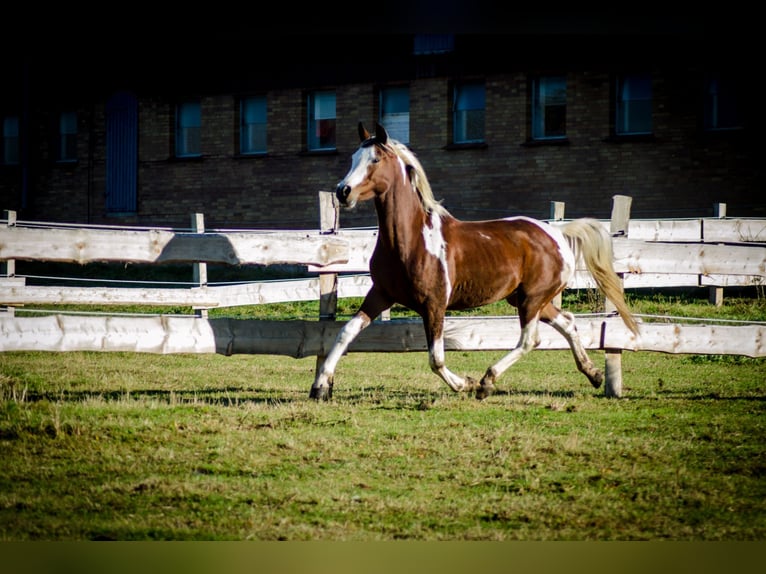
(594, 244)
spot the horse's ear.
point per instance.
(363, 133)
(381, 135)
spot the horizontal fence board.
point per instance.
(665, 230)
(734, 230)
(156, 246)
(703, 259)
(298, 338)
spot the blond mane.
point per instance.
(418, 178)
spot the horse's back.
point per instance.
(492, 258)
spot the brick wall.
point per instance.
(682, 172)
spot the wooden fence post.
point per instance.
(200, 267)
(557, 214)
(715, 295)
(8, 268)
(329, 222)
(618, 227)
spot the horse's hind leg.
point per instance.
(529, 339)
(564, 323)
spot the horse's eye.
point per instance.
(375, 160)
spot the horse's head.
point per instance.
(370, 172)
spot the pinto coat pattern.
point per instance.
(429, 261)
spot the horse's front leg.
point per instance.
(434, 326)
(372, 306)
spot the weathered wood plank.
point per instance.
(734, 230)
(157, 246)
(297, 338)
(702, 259)
(64, 295)
(665, 230)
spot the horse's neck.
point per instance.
(401, 218)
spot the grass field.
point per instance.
(129, 447)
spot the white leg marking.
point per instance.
(438, 366)
(436, 246)
(346, 335)
(564, 323)
(529, 339)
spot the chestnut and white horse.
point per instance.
(430, 262)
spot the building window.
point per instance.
(468, 113)
(633, 105)
(321, 116)
(10, 141)
(549, 107)
(67, 137)
(252, 125)
(433, 44)
(721, 103)
(188, 128)
(395, 112)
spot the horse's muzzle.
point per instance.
(342, 192)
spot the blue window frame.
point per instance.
(252, 125)
(722, 102)
(395, 112)
(469, 108)
(188, 129)
(633, 105)
(10, 141)
(67, 137)
(321, 120)
(549, 108)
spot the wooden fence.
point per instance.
(716, 252)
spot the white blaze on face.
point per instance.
(437, 247)
(359, 162)
(566, 252)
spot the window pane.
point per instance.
(321, 128)
(253, 125)
(634, 104)
(188, 129)
(721, 103)
(67, 136)
(469, 109)
(395, 112)
(10, 140)
(433, 44)
(549, 100)
(470, 97)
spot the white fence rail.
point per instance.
(648, 253)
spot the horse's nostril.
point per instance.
(342, 191)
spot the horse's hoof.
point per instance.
(596, 379)
(485, 390)
(321, 393)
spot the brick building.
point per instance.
(502, 123)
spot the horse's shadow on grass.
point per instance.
(224, 397)
(378, 396)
